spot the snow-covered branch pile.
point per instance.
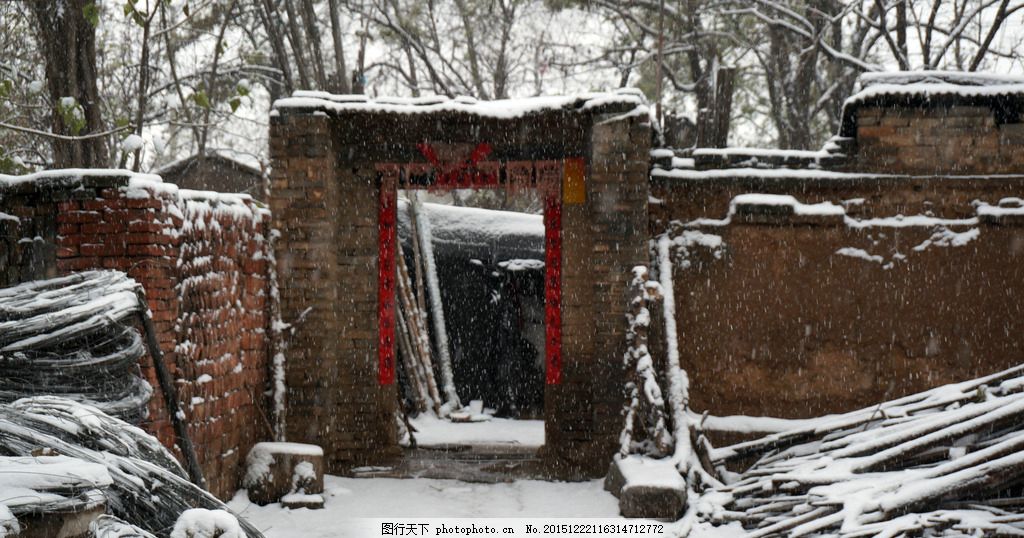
(73, 336)
(107, 461)
(646, 428)
(945, 462)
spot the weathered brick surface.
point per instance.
(779, 324)
(602, 240)
(204, 269)
(327, 256)
(937, 140)
(324, 198)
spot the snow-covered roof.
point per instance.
(476, 232)
(503, 108)
(929, 87)
(959, 78)
(243, 161)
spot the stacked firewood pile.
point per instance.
(75, 337)
(109, 463)
(78, 337)
(418, 289)
(945, 462)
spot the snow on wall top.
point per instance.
(760, 173)
(930, 84)
(1011, 207)
(71, 176)
(134, 185)
(503, 108)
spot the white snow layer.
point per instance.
(35, 480)
(935, 83)
(484, 226)
(203, 523)
(641, 471)
(504, 108)
(351, 500)
(433, 431)
(261, 458)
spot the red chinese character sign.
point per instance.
(387, 239)
(462, 166)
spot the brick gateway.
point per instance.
(547, 177)
(337, 165)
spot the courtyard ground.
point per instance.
(352, 501)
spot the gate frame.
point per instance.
(547, 176)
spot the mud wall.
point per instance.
(912, 283)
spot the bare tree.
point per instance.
(66, 30)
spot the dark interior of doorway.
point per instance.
(491, 274)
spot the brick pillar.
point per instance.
(603, 238)
(326, 214)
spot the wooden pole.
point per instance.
(195, 471)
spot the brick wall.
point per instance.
(326, 214)
(954, 139)
(203, 264)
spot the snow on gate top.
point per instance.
(927, 84)
(501, 109)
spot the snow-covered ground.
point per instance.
(351, 501)
(432, 432)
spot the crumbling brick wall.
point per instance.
(203, 261)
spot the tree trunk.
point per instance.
(271, 22)
(471, 49)
(714, 101)
(341, 73)
(68, 43)
(295, 38)
(313, 39)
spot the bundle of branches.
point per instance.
(945, 462)
(47, 484)
(72, 336)
(147, 488)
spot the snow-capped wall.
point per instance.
(805, 292)
(202, 258)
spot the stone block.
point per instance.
(275, 470)
(647, 488)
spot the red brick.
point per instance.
(147, 250)
(119, 263)
(94, 249)
(77, 264)
(103, 204)
(103, 228)
(143, 203)
(78, 217)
